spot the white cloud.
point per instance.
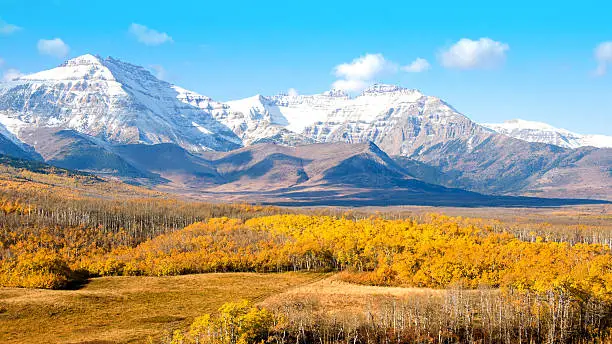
(292, 92)
(148, 36)
(159, 71)
(603, 56)
(361, 72)
(11, 74)
(417, 66)
(53, 47)
(7, 29)
(469, 54)
(364, 68)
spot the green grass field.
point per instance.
(129, 309)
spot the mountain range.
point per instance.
(112, 118)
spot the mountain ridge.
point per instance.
(112, 104)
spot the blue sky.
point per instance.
(539, 62)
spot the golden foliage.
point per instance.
(236, 323)
(437, 253)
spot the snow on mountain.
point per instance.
(599, 141)
(544, 133)
(114, 101)
(197, 100)
(85, 67)
(118, 102)
(293, 113)
(398, 119)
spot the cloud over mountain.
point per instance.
(53, 47)
(361, 72)
(474, 54)
(417, 66)
(148, 36)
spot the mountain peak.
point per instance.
(84, 67)
(335, 93)
(114, 101)
(378, 88)
(83, 60)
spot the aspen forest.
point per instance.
(456, 279)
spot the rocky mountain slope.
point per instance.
(17, 149)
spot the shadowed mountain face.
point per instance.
(10, 148)
(168, 159)
(318, 174)
(269, 166)
(72, 150)
(535, 169)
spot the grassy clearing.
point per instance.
(333, 296)
(129, 309)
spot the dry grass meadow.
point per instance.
(134, 309)
(130, 309)
(336, 297)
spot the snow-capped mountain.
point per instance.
(544, 133)
(432, 139)
(399, 120)
(118, 102)
(90, 105)
(114, 101)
